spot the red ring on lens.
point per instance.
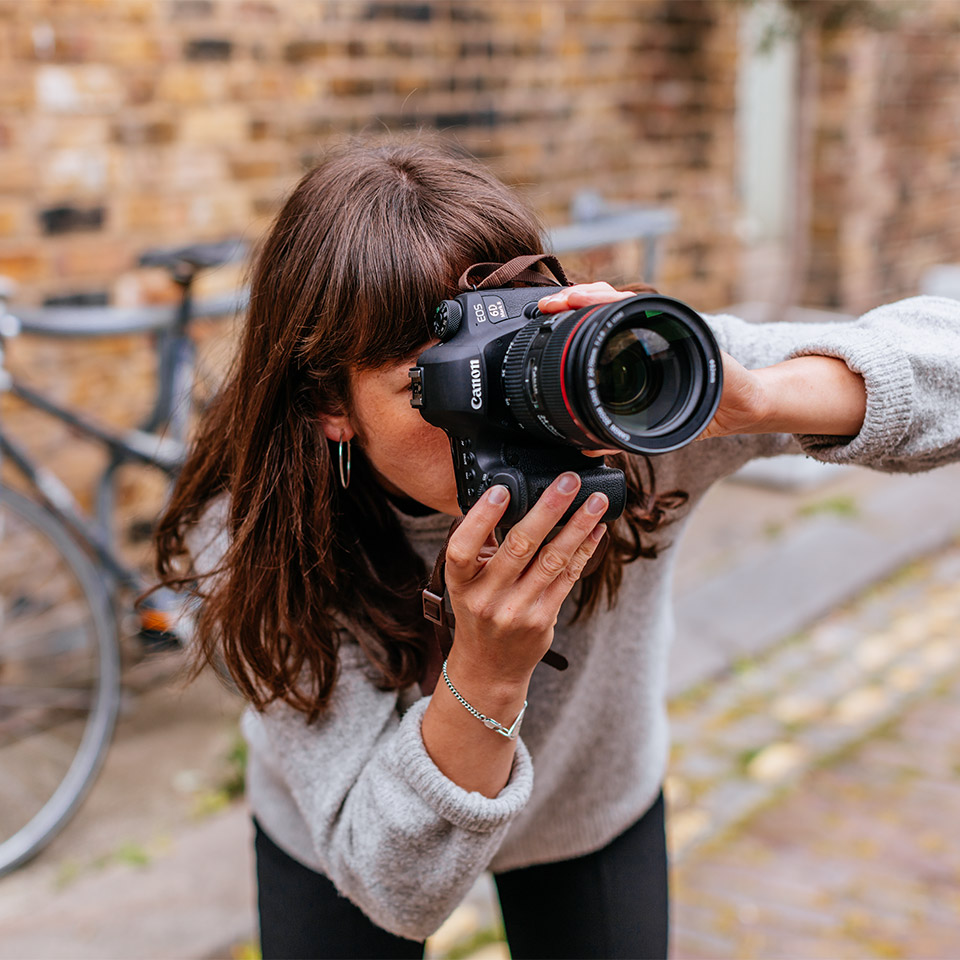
(563, 373)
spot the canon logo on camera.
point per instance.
(476, 401)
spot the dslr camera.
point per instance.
(520, 393)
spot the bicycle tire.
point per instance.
(89, 696)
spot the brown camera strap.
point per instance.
(490, 276)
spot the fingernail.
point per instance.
(568, 483)
(596, 503)
(498, 494)
(553, 298)
(596, 534)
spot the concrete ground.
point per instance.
(157, 863)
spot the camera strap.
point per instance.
(489, 276)
(435, 610)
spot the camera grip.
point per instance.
(525, 489)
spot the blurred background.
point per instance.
(782, 160)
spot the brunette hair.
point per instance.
(367, 244)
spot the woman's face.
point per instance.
(410, 456)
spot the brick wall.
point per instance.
(887, 177)
(128, 123)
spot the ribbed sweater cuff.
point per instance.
(889, 381)
(467, 809)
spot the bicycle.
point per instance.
(62, 580)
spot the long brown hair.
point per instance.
(368, 242)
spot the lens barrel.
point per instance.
(642, 374)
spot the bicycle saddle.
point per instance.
(200, 256)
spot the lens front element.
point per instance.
(642, 374)
(645, 371)
(626, 375)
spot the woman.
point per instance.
(316, 498)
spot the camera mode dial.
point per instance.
(446, 319)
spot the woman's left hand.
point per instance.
(742, 403)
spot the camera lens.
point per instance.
(642, 375)
(626, 376)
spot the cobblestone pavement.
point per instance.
(845, 743)
(814, 791)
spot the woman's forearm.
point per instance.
(812, 395)
(468, 753)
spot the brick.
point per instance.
(13, 218)
(71, 219)
(152, 132)
(75, 171)
(416, 12)
(301, 51)
(189, 9)
(17, 174)
(78, 89)
(213, 125)
(208, 49)
(93, 260)
(181, 84)
(23, 266)
(153, 213)
(258, 167)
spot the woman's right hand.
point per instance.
(506, 598)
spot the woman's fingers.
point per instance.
(553, 561)
(523, 562)
(556, 592)
(469, 547)
(524, 539)
(581, 295)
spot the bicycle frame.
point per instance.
(60, 501)
(144, 445)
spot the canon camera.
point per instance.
(521, 393)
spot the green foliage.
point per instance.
(789, 18)
(470, 945)
(132, 854)
(840, 506)
(233, 783)
(248, 950)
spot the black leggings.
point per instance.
(608, 904)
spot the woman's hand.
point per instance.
(743, 406)
(581, 295)
(507, 598)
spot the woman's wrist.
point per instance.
(485, 685)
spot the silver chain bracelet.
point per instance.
(509, 732)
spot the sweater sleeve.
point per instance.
(396, 836)
(908, 354)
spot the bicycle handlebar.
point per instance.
(70, 322)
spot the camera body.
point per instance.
(520, 393)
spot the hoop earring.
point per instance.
(344, 471)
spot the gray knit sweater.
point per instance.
(356, 795)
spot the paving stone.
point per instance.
(861, 859)
(744, 734)
(700, 765)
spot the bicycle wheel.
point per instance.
(59, 677)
